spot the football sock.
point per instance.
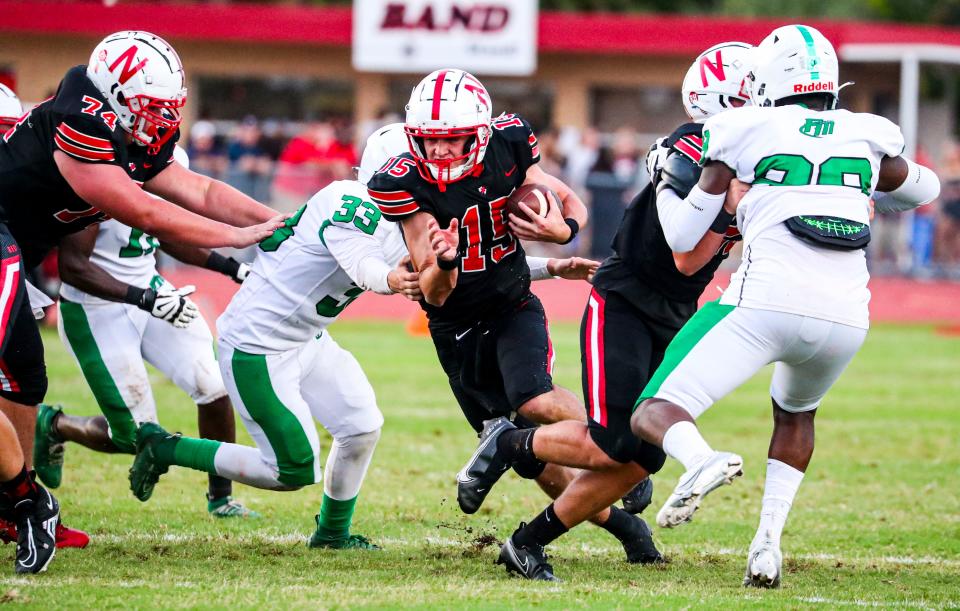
(619, 524)
(542, 530)
(517, 445)
(20, 487)
(335, 517)
(683, 442)
(780, 488)
(195, 453)
(347, 465)
(218, 487)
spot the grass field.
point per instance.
(876, 523)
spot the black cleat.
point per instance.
(484, 468)
(639, 545)
(36, 532)
(639, 498)
(527, 562)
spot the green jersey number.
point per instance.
(364, 215)
(140, 244)
(284, 233)
(330, 306)
(796, 171)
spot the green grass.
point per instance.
(876, 523)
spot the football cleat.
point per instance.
(764, 564)
(639, 498)
(639, 546)
(36, 532)
(716, 470)
(484, 468)
(47, 447)
(348, 542)
(227, 507)
(529, 562)
(147, 467)
(66, 537)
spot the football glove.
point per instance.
(171, 305)
(655, 157)
(679, 173)
(243, 270)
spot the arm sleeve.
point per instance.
(685, 221)
(538, 268)
(361, 257)
(920, 187)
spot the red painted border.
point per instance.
(332, 26)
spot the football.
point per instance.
(535, 197)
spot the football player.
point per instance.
(110, 338)
(799, 298)
(28, 505)
(642, 295)
(283, 369)
(449, 192)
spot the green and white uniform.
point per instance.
(111, 340)
(792, 302)
(280, 364)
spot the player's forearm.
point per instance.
(224, 203)
(689, 263)
(168, 223)
(191, 255)
(437, 284)
(91, 279)
(574, 208)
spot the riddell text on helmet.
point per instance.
(809, 87)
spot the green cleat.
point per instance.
(147, 464)
(47, 447)
(348, 542)
(227, 507)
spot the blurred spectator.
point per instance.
(612, 181)
(311, 160)
(207, 156)
(580, 149)
(948, 223)
(250, 167)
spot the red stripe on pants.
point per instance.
(596, 377)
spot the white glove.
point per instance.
(175, 307)
(655, 157)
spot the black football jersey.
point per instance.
(493, 269)
(36, 203)
(642, 268)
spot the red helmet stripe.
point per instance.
(437, 92)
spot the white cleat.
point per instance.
(764, 565)
(718, 469)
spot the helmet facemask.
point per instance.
(155, 120)
(450, 169)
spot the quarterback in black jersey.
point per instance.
(88, 153)
(642, 295)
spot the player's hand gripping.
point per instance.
(404, 281)
(573, 268)
(655, 156)
(241, 237)
(549, 228)
(172, 305)
(444, 242)
(735, 193)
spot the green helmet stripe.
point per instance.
(811, 51)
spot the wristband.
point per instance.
(142, 298)
(574, 229)
(228, 266)
(722, 221)
(449, 266)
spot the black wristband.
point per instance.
(228, 266)
(722, 221)
(574, 229)
(449, 266)
(142, 298)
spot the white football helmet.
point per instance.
(384, 144)
(714, 82)
(10, 107)
(142, 78)
(793, 60)
(449, 103)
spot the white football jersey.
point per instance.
(298, 284)
(801, 162)
(127, 254)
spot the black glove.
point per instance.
(679, 173)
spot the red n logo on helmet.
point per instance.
(715, 68)
(130, 54)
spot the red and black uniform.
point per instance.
(490, 334)
(38, 207)
(638, 303)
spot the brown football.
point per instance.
(535, 197)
